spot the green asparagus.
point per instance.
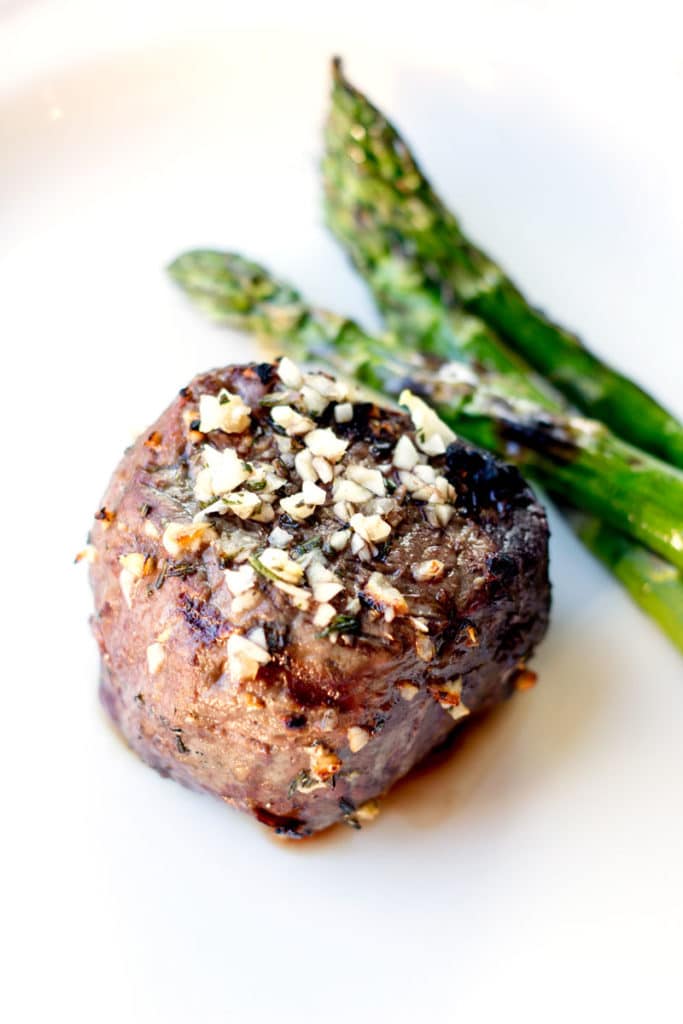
(577, 459)
(652, 583)
(368, 163)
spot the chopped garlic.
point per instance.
(150, 530)
(224, 472)
(339, 539)
(433, 569)
(433, 444)
(348, 490)
(243, 503)
(279, 562)
(439, 515)
(457, 711)
(244, 602)
(156, 656)
(449, 695)
(126, 582)
(405, 453)
(334, 390)
(299, 596)
(324, 615)
(432, 433)
(380, 506)
(359, 547)
(263, 474)
(323, 469)
(263, 514)
(244, 658)
(240, 580)
(236, 544)
(425, 473)
(368, 811)
(136, 564)
(357, 738)
(324, 762)
(424, 648)
(290, 420)
(279, 538)
(342, 510)
(296, 507)
(372, 479)
(312, 494)
(323, 441)
(323, 582)
(289, 373)
(343, 413)
(225, 411)
(408, 691)
(381, 593)
(303, 464)
(312, 401)
(186, 538)
(370, 528)
(258, 636)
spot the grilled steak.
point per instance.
(299, 594)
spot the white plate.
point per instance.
(538, 870)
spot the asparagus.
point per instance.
(577, 459)
(370, 163)
(652, 583)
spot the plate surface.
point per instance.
(538, 868)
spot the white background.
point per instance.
(536, 874)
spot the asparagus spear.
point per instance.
(577, 459)
(368, 161)
(652, 583)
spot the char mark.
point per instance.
(481, 482)
(542, 436)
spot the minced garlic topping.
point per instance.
(363, 499)
(244, 658)
(225, 411)
(433, 435)
(187, 538)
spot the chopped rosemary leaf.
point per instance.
(341, 624)
(263, 570)
(306, 546)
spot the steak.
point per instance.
(299, 593)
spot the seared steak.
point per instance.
(299, 594)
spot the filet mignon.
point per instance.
(299, 594)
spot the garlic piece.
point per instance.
(324, 442)
(244, 658)
(370, 528)
(279, 562)
(186, 538)
(384, 595)
(357, 738)
(290, 420)
(432, 434)
(289, 373)
(432, 569)
(156, 655)
(225, 411)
